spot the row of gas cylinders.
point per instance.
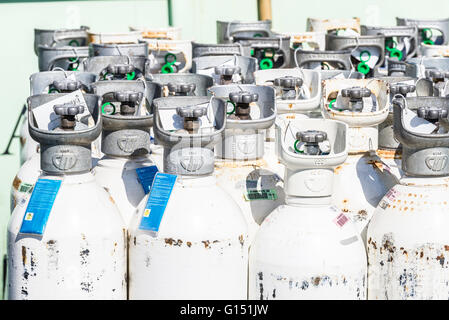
(327, 44)
(185, 186)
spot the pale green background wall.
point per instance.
(196, 17)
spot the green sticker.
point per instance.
(26, 188)
(265, 194)
(257, 35)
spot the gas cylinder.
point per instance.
(177, 84)
(307, 40)
(116, 67)
(390, 151)
(226, 69)
(220, 49)
(401, 43)
(68, 240)
(189, 238)
(170, 33)
(433, 32)
(50, 82)
(227, 30)
(307, 248)
(297, 90)
(182, 84)
(241, 167)
(362, 180)
(407, 236)
(271, 52)
(322, 59)
(327, 25)
(367, 51)
(60, 37)
(125, 141)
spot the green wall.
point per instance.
(196, 17)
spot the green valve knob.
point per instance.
(167, 68)
(362, 67)
(266, 63)
(104, 108)
(131, 76)
(74, 43)
(170, 56)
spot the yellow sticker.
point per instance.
(29, 216)
(146, 213)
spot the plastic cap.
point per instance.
(432, 113)
(243, 97)
(227, 70)
(120, 68)
(311, 136)
(288, 82)
(68, 109)
(128, 96)
(356, 93)
(181, 87)
(402, 88)
(67, 85)
(191, 111)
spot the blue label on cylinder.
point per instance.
(157, 201)
(39, 206)
(146, 177)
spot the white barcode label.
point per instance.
(341, 220)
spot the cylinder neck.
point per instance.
(309, 186)
(362, 139)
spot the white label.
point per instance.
(45, 116)
(369, 104)
(416, 124)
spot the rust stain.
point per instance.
(363, 213)
(389, 154)
(189, 244)
(112, 200)
(16, 183)
(24, 255)
(337, 169)
(421, 254)
(316, 281)
(206, 244)
(446, 247)
(405, 208)
(290, 105)
(241, 164)
(241, 240)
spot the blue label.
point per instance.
(39, 206)
(146, 176)
(157, 201)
